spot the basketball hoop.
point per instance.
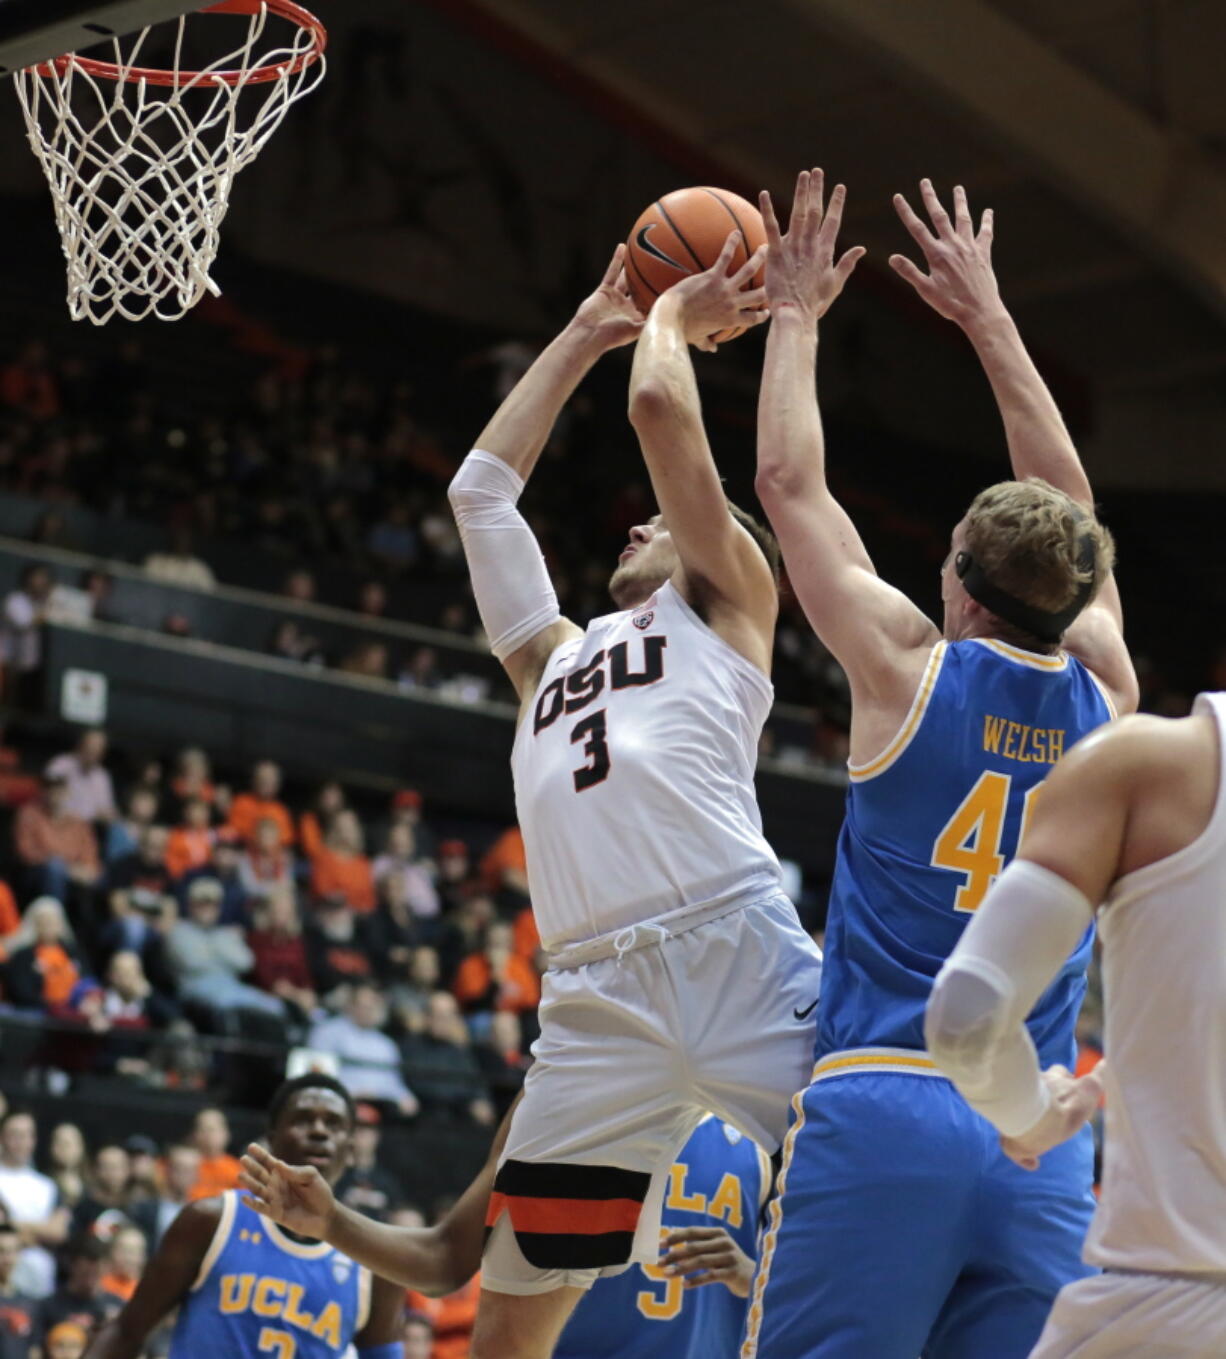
(141, 160)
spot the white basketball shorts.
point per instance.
(642, 1033)
(1137, 1316)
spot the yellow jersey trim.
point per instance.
(902, 739)
(1102, 689)
(901, 1061)
(221, 1234)
(749, 1349)
(1031, 658)
(365, 1283)
(291, 1247)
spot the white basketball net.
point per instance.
(141, 173)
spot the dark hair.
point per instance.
(7, 1229)
(312, 1080)
(761, 535)
(84, 1247)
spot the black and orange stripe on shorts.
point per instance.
(569, 1216)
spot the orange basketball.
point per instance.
(683, 233)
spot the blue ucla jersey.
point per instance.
(930, 825)
(260, 1292)
(720, 1179)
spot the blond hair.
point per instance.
(1026, 537)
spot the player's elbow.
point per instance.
(654, 403)
(963, 1025)
(776, 480)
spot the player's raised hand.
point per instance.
(297, 1197)
(720, 298)
(609, 312)
(801, 271)
(1074, 1102)
(960, 284)
(707, 1255)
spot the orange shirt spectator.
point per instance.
(341, 868)
(497, 978)
(43, 831)
(117, 1286)
(314, 822)
(59, 970)
(247, 811)
(217, 1174)
(310, 834)
(505, 863)
(452, 1318)
(186, 849)
(527, 936)
(10, 919)
(191, 844)
(218, 1169)
(262, 800)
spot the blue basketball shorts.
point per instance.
(901, 1229)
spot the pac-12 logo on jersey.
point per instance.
(644, 620)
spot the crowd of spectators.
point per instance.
(316, 462)
(78, 1226)
(180, 907)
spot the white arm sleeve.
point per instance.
(514, 594)
(975, 1026)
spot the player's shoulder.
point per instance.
(1141, 743)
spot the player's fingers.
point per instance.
(261, 1206)
(749, 268)
(261, 1156)
(962, 214)
(750, 298)
(834, 216)
(720, 267)
(800, 205)
(911, 220)
(936, 209)
(770, 222)
(615, 266)
(701, 1254)
(850, 259)
(816, 214)
(909, 270)
(986, 223)
(681, 1235)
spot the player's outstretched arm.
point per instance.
(432, 1260)
(861, 619)
(723, 568)
(961, 286)
(511, 584)
(164, 1284)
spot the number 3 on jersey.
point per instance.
(970, 844)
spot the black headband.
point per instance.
(1046, 625)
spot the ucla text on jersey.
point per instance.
(259, 1292)
(720, 1179)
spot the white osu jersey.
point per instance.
(634, 771)
(1163, 1205)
